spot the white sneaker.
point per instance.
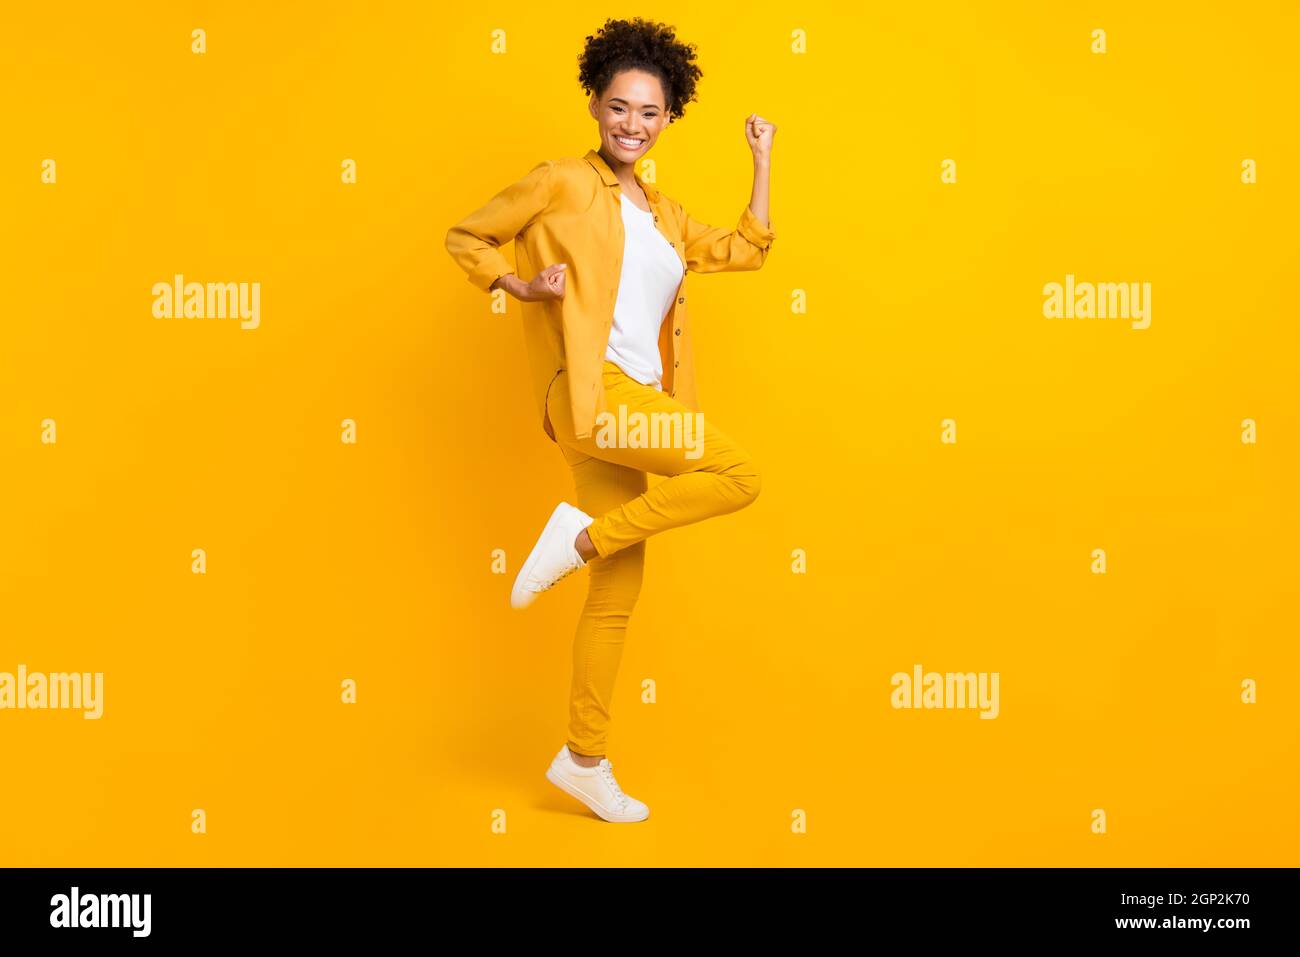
(553, 557)
(596, 788)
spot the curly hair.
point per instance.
(639, 44)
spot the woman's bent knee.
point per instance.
(744, 481)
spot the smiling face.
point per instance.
(631, 114)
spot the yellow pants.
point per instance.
(707, 474)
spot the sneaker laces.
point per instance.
(607, 772)
(563, 575)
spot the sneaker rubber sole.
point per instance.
(582, 796)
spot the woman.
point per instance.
(605, 321)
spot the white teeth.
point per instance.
(631, 144)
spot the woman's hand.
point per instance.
(547, 284)
(759, 133)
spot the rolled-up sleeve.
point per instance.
(474, 241)
(717, 249)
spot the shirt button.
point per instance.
(681, 300)
(678, 332)
(676, 364)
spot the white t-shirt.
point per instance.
(650, 277)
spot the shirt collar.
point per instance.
(609, 179)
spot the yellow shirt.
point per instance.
(568, 211)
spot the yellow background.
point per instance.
(373, 562)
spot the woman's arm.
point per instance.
(762, 187)
(759, 134)
(473, 242)
(718, 249)
(715, 249)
